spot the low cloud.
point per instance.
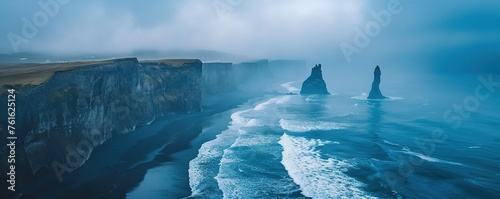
(272, 29)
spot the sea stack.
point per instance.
(375, 92)
(314, 84)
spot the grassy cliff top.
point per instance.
(172, 62)
(218, 62)
(33, 74)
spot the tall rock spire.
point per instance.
(314, 84)
(375, 92)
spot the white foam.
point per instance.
(346, 114)
(474, 147)
(301, 126)
(244, 175)
(208, 172)
(364, 97)
(315, 97)
(291, 88)
(428, 158)
(237, 120)
(390, 143)
(265, 104)
(204, 168)
(262, 141)
(396, 98)
(254, 123)
(284, 99)
(316, 176)
(275, 100)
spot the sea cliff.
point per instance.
(65, 110)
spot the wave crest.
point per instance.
(318, 177)
(301, 126)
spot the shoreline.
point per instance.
(120, 165)
(171, 179)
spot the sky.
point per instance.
(448, 34)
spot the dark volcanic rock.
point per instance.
(375, 92)
(314, 84)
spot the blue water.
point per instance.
(344, 146)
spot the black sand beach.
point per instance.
(121, 163)
(171, 178)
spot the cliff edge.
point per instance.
(65, 110)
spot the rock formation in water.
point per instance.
(375, 91)
(314, 84)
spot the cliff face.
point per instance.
(288, 70)
(223, 77)
(375, 91)
(218, 77)
(60, 121)
(314, 84)
(252, 71)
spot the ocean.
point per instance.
(435, 139)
